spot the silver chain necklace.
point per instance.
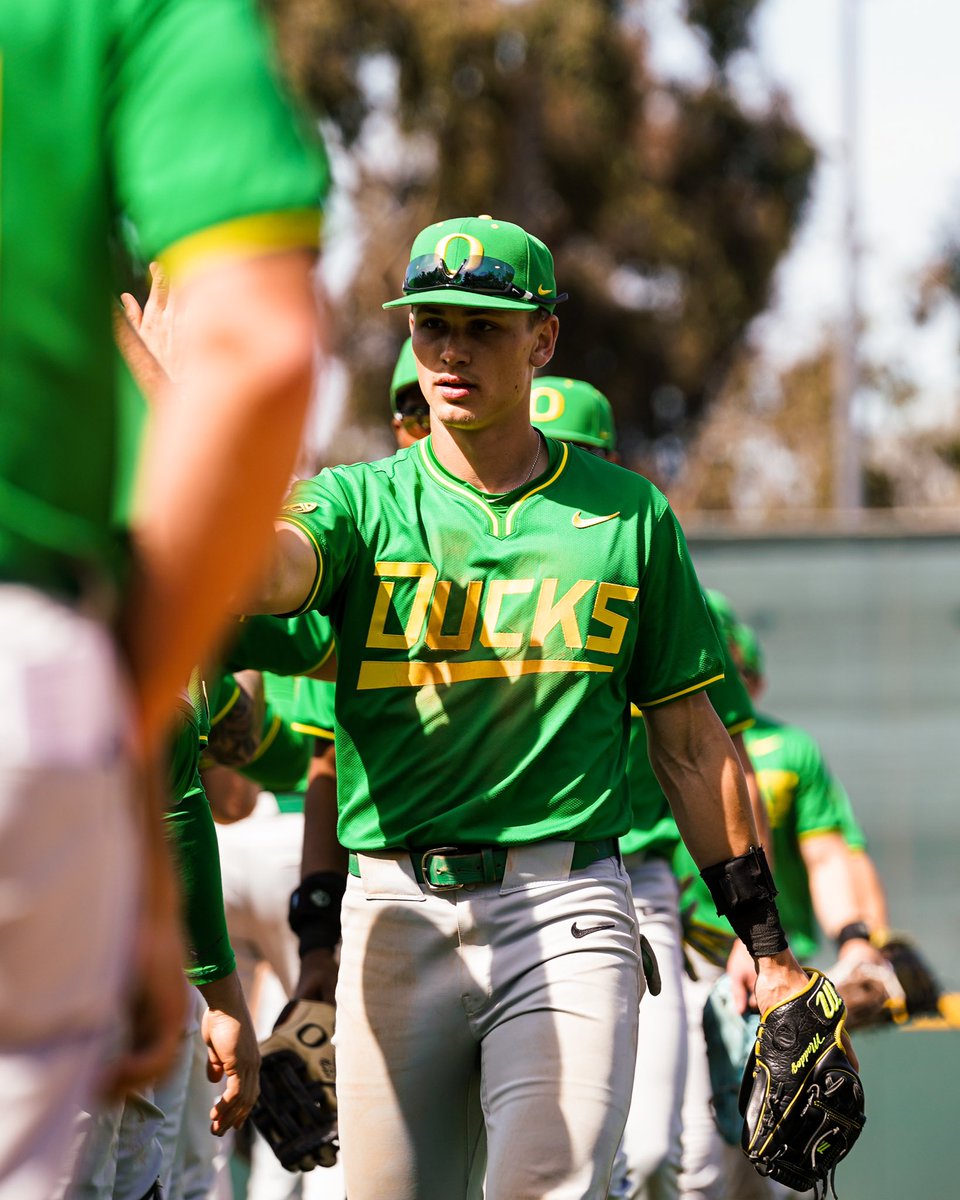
(529, 474)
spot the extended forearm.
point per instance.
(830, 877)
(701, 776)
(217, 462)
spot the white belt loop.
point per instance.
(536, 863)
(388, 875)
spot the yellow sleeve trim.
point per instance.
(326, 657)
(315, 730)
(809, 833)
(740, 726)
(267, 741)
(229, 704)
(243, 237)
(305, 606)
(695, 687)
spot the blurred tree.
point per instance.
(764, 450)
(668, 206)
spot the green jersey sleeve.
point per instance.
(853, 834)
(728, 695)
(323, 513)
(818, 800)
(194, 840)
(281, 645)
(208, 156)
(680, 652)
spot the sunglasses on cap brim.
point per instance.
(486, 276)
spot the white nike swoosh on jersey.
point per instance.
(580, 522)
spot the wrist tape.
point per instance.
(314, 914)
(743, 891)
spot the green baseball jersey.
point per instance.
(488, 646)
(117, 123)
(281, 645)
(654, 831)
(299, 710)
(802, 798)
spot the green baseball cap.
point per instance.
(405, 372)
(748, 645)
(572, 411)
(479, 262)
(722, 609)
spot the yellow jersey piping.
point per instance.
(315, 730)
(267, 741)
(695, 687)
(229, 704)
(319, 553)
(440, 478)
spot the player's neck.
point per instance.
(493, 460)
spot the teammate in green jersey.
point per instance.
(118, 110)
(809, 817)
(411, 413)
(498, 599)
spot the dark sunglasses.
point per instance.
(414, 418)
(488, 276)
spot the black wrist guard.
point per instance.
(852, 931)
(743, 891)
(314, 914)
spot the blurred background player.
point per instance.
(72, 861)
(411, 413)
(881, 974)
(810, 821)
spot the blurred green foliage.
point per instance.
(667, 206)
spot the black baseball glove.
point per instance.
(297, 1109)
(921, 991)
(801, 1098)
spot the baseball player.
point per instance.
(810, 819)
(411, 413)
(145, 104)
(498, 599)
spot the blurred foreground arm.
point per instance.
(220, 451)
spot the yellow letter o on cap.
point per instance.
(473, 245)
(546, 404)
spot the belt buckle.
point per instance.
(425, 869)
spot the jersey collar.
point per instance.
(499, 510)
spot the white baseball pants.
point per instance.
(478, 1021)
(648, 1164)
(68, 869)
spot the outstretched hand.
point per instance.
(233, 1055)
(156, 321)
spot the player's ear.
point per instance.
(546, 341)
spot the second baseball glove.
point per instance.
(297, 1108)
(801, 1098)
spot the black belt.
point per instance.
(444, 868)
